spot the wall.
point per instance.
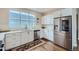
(3, 19)
(78, 22)
(74, 28)
(4, 15)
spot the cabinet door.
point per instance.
(17, 39)
(9, 41)
(57, 13)
(9, 45)
(30, 36)
(24, 37)
(66, 12)
(9, 37)
(12, 40)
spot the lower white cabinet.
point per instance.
(27, 37)
(31, 36)
(24, 37)
(12, 40)
(16, 39)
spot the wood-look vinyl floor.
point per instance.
(48, 46)
(43, 46)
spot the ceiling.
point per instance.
(44, 10)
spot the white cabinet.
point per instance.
(27, 36)
(12, 40)
(48, 32)
(9, 41)
(24, 37)
(57, 13)
(66, 12)
(31, 36)
(9, 45)
(16, 39)
(62, 12)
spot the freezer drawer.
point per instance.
(63, 40)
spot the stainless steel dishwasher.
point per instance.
(36, 34)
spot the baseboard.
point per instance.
(45, 39)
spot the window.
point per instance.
(19, 20)
(14, 20)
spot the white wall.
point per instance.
(74, 28)
(3, 19)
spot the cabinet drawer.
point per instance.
(59, 40)
(10, 45)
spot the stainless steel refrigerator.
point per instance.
(63, 32)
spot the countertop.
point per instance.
(2, 34)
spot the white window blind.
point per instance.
(19, 20)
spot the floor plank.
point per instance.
(48, 46)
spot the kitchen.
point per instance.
(20, 26)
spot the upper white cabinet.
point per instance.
(56, 13)
(66, 12)
(62, 12)
(47, 19)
